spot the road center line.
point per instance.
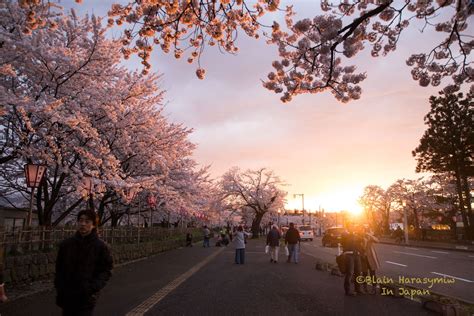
(414, 254)
(148, 304)
(411, 248)
(471, 256)
(440, 251)
(398, 264)
(450, 276)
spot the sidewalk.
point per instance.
(431, 244)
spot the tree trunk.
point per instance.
(459, 191)
(386, 219)
(45, 202)
(470, 215)
(256, 224)
(115, 218)
(67, 212)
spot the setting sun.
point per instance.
(345, 199)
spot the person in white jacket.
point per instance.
(239, 243)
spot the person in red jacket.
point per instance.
(292, 240)
(83, 267)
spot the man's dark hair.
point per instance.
(292, 225)
(90, 214)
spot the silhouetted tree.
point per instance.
(448, 146)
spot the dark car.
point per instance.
(332, 236)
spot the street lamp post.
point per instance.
(405, 221)
(34, 175)
(302, 201)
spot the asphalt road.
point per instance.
(400, 261)
(205, 281)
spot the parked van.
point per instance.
(306, 232)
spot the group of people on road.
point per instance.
(360, 259)
(292, 242)
(239, 239)
(84, 262)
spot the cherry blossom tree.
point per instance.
(255, 190)
(68, 103)
(377, 204)
(51, 85)
(414, 194)
(445, 207)
(314, 52)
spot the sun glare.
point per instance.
(342, 200)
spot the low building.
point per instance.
(14, 213)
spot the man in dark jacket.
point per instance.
(352, 249)
(83, 267)
(273, 241)
(292, 239)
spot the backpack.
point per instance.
(341, 262)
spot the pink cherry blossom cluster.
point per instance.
(38, 14)
(309, 63)
(189, 25)
(313, 51)
(451, 57)
(257, 192)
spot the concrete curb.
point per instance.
(429, 247)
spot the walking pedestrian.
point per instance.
(398, 234)
(273, 241)
(83, 267)
(351, 246)
(369, 260)
(292, 240)
(207, 236)
(239, 243)
(3, 295)
(189, 240)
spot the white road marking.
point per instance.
(471, 256)
(461, 247)
(440, 251)
(148, 304)
(414, 254)
(412, 248)
(398, 264)
(450, 276)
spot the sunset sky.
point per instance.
(326, 150)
